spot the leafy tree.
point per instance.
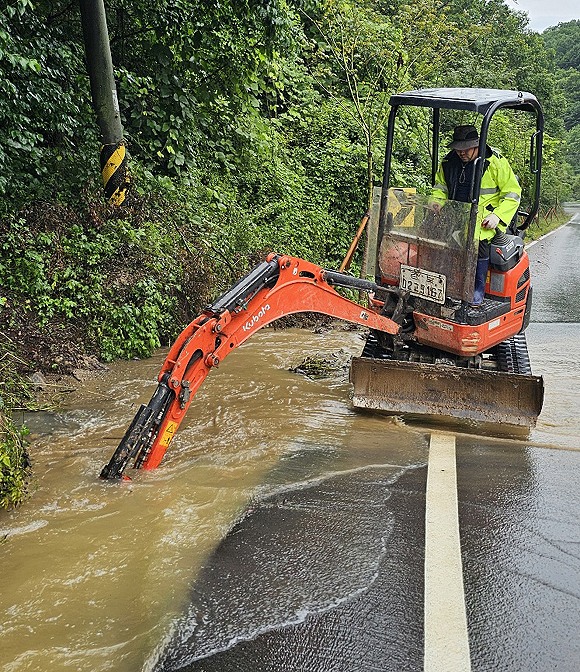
(564, 40)
(366, 51)
(196, 77)
(43, 149)
(570, 83)
(573, 152)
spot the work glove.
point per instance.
(490, 222)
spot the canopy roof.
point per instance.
(475, 100)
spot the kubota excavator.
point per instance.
(428, 351)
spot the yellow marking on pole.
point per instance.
(114, 171)
(115, 160)
(446, 637)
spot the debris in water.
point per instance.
(319, 366)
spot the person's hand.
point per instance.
(490, 222)
(435, 207)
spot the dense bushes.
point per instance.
(15, 390)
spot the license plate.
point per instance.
(426, 284)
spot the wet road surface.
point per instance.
(286, 532)
(255, 606)
(315, 579)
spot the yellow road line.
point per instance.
(446, 638)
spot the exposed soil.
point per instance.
(50, 361)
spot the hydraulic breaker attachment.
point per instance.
(447, 393)
(144, 426)
(279, 286)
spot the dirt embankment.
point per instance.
(41, 364)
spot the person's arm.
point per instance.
(509, 196)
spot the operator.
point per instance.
(499, 196)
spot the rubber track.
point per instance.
(373, 350)
(512, 355)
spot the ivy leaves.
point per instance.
(43, 116)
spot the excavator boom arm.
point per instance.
(279, 286)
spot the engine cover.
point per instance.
(505, 251)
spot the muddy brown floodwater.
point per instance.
(95, 576)
(94, 573)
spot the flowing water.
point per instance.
(93, 573)
(95, 576)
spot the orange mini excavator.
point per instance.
(428, 353)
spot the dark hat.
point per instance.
(464, 137)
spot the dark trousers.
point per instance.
(481, 272)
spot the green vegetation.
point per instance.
(563, 39)
(546, 222)
(252, 126)
(14, 390)
(13, 463)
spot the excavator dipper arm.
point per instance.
(279, 286)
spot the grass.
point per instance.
(546, 222)
(14, 464)
(16, 392)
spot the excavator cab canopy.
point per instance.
(474, 100)
(415, 246)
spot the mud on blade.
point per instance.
(474, 395)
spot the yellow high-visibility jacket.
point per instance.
(500, 191)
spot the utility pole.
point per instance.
(113, 157)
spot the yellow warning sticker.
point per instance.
(401, 205)
(168, 434)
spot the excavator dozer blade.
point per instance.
(447, 393)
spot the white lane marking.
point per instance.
(446, 638)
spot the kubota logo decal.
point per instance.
(256, 318)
